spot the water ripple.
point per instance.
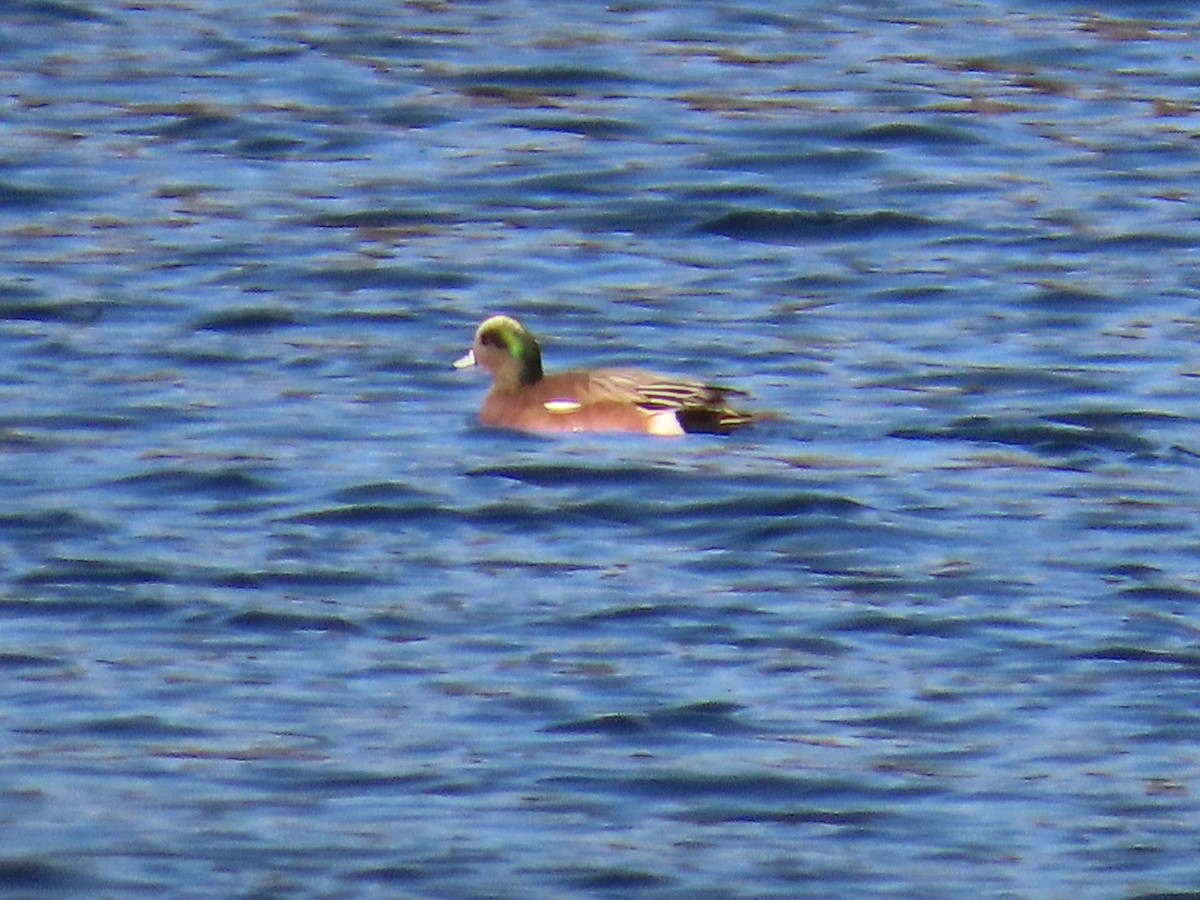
(279, 618)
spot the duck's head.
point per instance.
(504, 348)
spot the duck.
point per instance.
(524, 398)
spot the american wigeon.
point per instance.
(525, 399)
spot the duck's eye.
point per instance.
(491, 339)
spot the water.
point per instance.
(280, 621)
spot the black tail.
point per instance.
(707, 420)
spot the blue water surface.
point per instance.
(278, 619)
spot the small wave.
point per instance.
(18, 661)
(23, 874)
(224, 483)
(139, 727)
(389, 278)
(1040, 437)
(1184, 659)
(261, 620)
(786, 227)
(359, 514)
(608, 879)
(47, 524)
(97, 572)
(254, 318)
(908, 625)
(899, 134)
(384, 217)
(710, 717)
(565, 79)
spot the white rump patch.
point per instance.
(665, 424)
(561, 407)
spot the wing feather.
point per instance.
(655, 393)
